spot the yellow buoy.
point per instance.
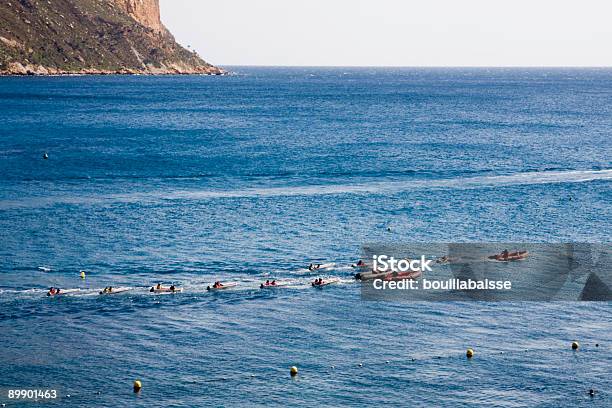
(469, 353)
(293, 371)
(575, 345)
(82, 274)
(137, 386)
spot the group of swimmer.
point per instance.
(108, 289)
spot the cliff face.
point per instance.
(91, 37)
(146, 12)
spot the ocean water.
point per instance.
(189, 180)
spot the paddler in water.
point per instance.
(443, 259)
(156, 287)
(53, 291)
(268, 283)
(215, 285)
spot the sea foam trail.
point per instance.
(376, 187)
(577, 176)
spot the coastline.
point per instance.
(18, 70)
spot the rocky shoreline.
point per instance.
(18, 69)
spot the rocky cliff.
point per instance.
(146, 12)
(91, 37)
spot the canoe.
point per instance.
(278, 285)
(165, 290)
(370, 275)
(115, 291)
(315, 267)
(225, 286)
(396, 276)
(388, 275)
(512, 256)
(63, 292)
(325, 283)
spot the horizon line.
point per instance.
(421, 66)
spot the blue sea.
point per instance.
(253, 176)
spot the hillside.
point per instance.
(43, 37)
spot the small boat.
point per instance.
(396, 276)
(272, 285)
(511, 256)
(315, 267)
(387, 275)
(113, 291)
(370, 275)
(44, 269)
(61, 292)
(223, 286)
(443, 260)
(320, 284)
(171, 289)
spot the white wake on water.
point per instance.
(576, 176)
(375, 187)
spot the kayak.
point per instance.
(512, 256)
(63, 292)
(388, 275)
(115, 291)
(370, 275)
(395, 276)
(314, 267)
(269, 286)
(225, 286)
(165, 290)
(325, 283)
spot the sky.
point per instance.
(394, 32)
